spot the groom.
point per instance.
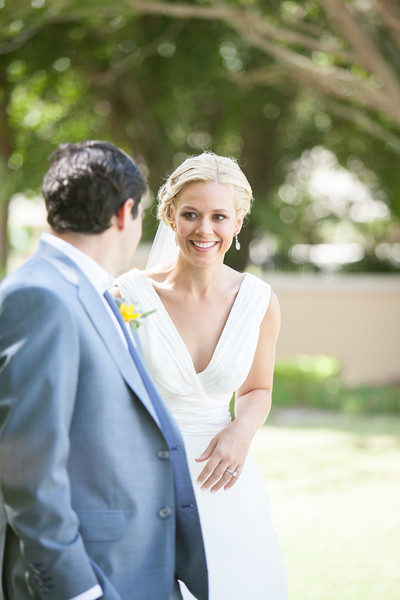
(95, 494)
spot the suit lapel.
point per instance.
(101, 320)
(108, 331)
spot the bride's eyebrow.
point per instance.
(216, 210)
(186, 207)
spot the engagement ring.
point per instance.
(233, 473)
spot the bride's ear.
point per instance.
(239, 223)
(172, 217)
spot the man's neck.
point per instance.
(95, 245)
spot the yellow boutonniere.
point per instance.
(131, 316)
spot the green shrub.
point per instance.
(313, 382)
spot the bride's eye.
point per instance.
(219, 217)
(189, 215)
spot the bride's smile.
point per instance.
(203, 245)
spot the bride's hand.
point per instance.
(225, 456)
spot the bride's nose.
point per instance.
(204, 226)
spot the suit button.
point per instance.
(163, 454)
(164, 512)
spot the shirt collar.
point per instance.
(97, 276)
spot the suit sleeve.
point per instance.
(39, 370)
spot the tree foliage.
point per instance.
(262, 81)
(345, 50)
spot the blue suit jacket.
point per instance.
(88, 492)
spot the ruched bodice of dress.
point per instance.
(198, 401)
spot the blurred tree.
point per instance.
(165, 87)
(344, 49)
(341, 60)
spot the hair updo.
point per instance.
(204, 168)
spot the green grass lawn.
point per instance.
(334, 484)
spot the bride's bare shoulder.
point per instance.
(157, 274)
(233, 277)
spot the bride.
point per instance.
(214, 332)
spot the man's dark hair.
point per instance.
(87, 183)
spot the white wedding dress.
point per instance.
(243, 555)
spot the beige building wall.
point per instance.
(353, 317)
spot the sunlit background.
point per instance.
(306, 95)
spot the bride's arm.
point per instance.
(229, 448)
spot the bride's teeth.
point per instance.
(204, 244)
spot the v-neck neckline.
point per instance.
(178, 335)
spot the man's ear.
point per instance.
(124, 214)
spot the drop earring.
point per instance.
(237, 243)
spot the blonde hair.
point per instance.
(203, 168)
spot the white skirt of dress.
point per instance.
(243, 555)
